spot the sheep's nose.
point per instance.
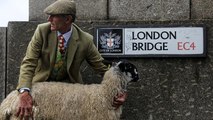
(136, 78)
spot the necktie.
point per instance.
(61, 44)
(59, 69)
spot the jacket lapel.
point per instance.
(52, 46)
(72, 47)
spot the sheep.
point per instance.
(64, 101)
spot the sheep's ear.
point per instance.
(114, 63)
(122, 66)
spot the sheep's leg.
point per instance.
(8, 106)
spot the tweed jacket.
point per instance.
(41, 52)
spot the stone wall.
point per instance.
(18, 36)
(139, 10)
(169, 89)
(2, 62)
(201, 9)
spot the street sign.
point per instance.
(151, 42)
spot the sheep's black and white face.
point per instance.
(129, 70)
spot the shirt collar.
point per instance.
(66, 36)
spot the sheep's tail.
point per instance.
(8, 105)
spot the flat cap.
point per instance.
(67, 7)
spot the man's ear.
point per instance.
(69, 18)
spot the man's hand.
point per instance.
(119, 100)
(25, 105)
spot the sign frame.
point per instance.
(112, 55)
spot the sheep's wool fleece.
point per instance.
(64, 101)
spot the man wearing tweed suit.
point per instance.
(45, 62)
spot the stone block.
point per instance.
(19, 34)
(91, 9)
(2, 62)
(170, 88)
(149, 10)
(36, 8)
(201, 9)
(86, 9)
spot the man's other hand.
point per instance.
(119, 100)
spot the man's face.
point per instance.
(58, 22)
